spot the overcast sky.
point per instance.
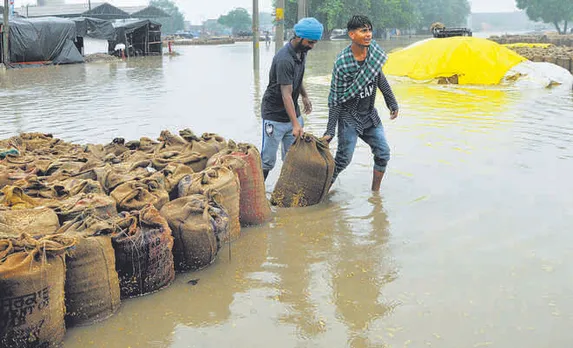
(199, 10)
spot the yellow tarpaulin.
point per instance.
(474, 61)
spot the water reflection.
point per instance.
(361, 267)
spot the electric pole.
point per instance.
(280, 30)
(5, 32)
(256, 36)
(301, 9)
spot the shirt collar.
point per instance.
(294, 54)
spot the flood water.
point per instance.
(468, 244)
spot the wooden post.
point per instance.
(5, 33)
(280, 30)
(256, 37)
(301, 9)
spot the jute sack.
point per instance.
(93, 204)
(306, 174)
(32, 276)
(208, 144)
(195, 222)
(73, 187)
(92, 283)
(37, 187)
(173, 173)
(194, 160)
(37, 221)
(143, 252)
(223, 180)
(136, 194)
(15, 198)
(169, 140)
(254, 205)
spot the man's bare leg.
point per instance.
(376, 180)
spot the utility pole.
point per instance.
(301, 9)
(5, 32)
(256, 36)
(89, 5)
(280, 30)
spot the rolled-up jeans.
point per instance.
(275, 133)
(347, 138)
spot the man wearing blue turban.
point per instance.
(282, 119)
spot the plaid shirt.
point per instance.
(349, 79)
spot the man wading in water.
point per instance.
(282, 120)
(356, 74)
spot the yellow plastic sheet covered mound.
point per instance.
(474, 61)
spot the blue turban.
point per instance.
(309, 28)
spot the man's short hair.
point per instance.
(358, 22)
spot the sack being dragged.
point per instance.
(306, 174)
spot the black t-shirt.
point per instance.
(365, 108)
(287, 69)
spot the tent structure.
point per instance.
(146, 12)
(465, 60)
(141, 38)
(92, 27)
(106, 11)
(47, 40)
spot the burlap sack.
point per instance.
(169, 140)
(37, 187)
(136, 194)
(32, 275)
(173, 173)
(92, 283)
(73, 187)
(99, 205)
(37, 221)
(143, 253)
(111, 177)
(194, 160)
(254, 205)
(8, 176)
(195, 223)
(217, 142)
(306, 174)
(116, 147)
(15, 198)
(220, 179)
(208, 144)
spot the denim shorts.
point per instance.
(347, 138)
(274, 134)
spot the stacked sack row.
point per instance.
(83, 227)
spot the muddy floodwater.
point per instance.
(468, 244)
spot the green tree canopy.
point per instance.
(238, 20)
(451, 13)
(549, 11)
(403, 14)
(175, 22)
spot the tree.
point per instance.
(175, 22)
(449, 12)
(549, 11)
(239, 20)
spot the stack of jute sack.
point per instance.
(83, 227)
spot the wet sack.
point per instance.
(32, 276)
(306, 174)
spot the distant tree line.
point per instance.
(385, 14)
(556, 12)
